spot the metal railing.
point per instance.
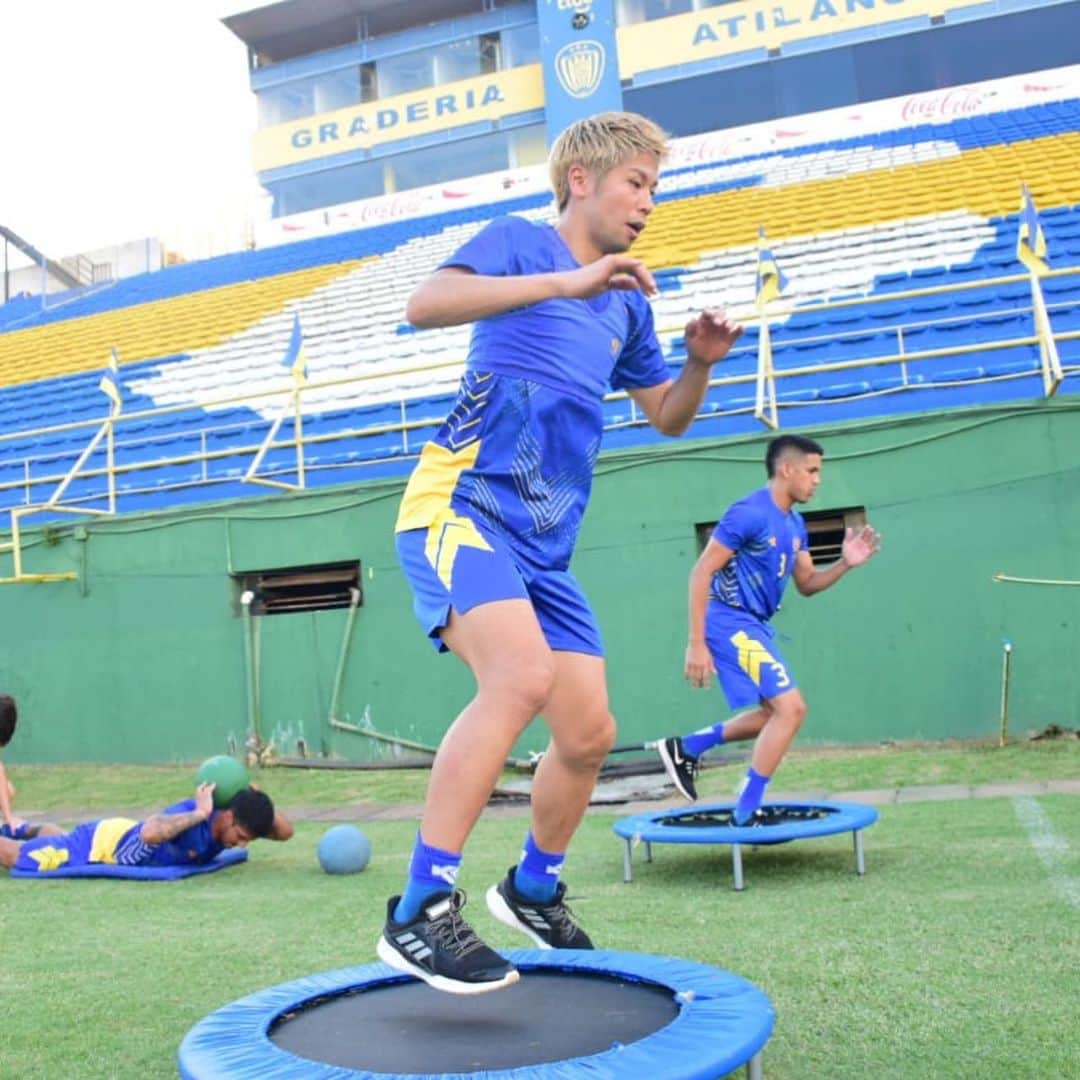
(385, 388)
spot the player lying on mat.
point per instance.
(735, 589)
(190, 832)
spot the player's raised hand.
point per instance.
(710, 336)
(204, 799)
(608, 272)
(699, 668)
(859, 547)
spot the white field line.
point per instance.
(1051, 848)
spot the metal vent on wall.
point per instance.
(302, 588)
(824, 531)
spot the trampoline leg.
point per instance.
(648, 851)
(736, 862)
(860, 862)
(753, 1068)
(627, 864)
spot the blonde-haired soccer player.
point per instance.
(488, 522)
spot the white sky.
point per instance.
(125, 119)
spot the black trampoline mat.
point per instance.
(763, 817)
(410, 1028)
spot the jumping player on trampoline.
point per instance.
(490, 516)
(735, 589)
(13, 827)
(190, 833)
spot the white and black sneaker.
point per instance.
(680, 766)
(441, 948)
(550, 925)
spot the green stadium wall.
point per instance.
(143, 658)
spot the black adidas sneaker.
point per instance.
(441, 948)
(550, 925)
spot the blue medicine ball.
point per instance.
(344, 849)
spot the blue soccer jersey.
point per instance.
(193, 845)
(118, 841)
(517, 451)
(766, 541)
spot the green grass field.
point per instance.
(955, 956)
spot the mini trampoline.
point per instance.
(574, 1014)
(776, 823)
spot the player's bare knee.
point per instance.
(792, 713)
(526, 687)
(589, 742)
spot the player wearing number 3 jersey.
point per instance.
(735, 589)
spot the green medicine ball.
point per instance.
(229, 775)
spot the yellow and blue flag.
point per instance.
(110, 381)
(1030, 241)
(295, 358)
(771, 280)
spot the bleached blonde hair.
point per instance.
(599, 143)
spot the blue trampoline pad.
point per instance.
(774, 823)
(573, 1015)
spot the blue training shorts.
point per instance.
(455, 564)
(749, 666)
(45, 853)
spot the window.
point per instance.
(369, 83)
(289, 101)
(300, 588)
(520, 45)
(490, 52)
(308, 97)
(636, 11)
(327, 187)
(825, 531)
(405, 74)
(450, 161)
(336, 89)
(528, 146)
(457, 60)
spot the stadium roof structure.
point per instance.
(294, 28)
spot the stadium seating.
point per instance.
(857, 225)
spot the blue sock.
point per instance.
(431, 871)
(536, 877)
(697, 743)
(750, 797)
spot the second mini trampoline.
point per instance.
(573, 1015)
(776, 823)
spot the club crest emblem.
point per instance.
(580, 67)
